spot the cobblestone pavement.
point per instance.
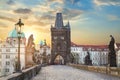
(60, 72)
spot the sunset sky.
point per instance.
(92, 21)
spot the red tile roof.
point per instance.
(91, 47)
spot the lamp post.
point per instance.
(19, 37)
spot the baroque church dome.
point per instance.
(42, 43)
(13, 34)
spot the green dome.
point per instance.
(41, 43)
(14, 34)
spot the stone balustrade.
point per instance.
(26, 74)
(102, 69)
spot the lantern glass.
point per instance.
(18, 29)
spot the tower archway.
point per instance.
(59, 60)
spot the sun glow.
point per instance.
(29, 32)
(38, 35)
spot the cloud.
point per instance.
(38, 23)
(49, 17)
(73, 13)
(46, 17)
(7, 18)
(107, 2)
(74, 1)
(10, 2)
(59, 1)
(3, 25)
(41, 14)
(23, 11)
(113, 17)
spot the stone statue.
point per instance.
(30, 41)
(30, 50)
(112, 53)
(88, 61)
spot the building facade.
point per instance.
(98, 54)
(44, 52)
(118, 54)
(9, 53)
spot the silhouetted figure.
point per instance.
(88, 61)
(112, 55)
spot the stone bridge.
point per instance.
(66, 72)
(26, 74)
(62, 72)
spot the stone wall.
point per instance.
(101, 69)
(26, 74)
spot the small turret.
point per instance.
(45, 42)
(51, 26)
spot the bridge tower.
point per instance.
(60, 40)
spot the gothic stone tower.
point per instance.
(60, 40)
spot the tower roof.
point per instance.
(59, 20)
(13, 34)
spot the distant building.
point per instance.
(9, 53)
(76, 50)
(45, 52)
(98, 54)
(118, 54)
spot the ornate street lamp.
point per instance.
(18, 28)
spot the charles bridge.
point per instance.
(61, 47)
(110, 73)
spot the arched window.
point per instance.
(58, 46)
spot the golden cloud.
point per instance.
(106, 2)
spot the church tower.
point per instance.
(60, 41)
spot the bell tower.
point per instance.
(60, 40)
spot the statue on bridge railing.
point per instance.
(88, 61)
(112, 53)
(30, 50)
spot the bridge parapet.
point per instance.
(26, 74)
(115, 71)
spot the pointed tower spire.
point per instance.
(68, 25)
(59, 20)
(51, 26)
